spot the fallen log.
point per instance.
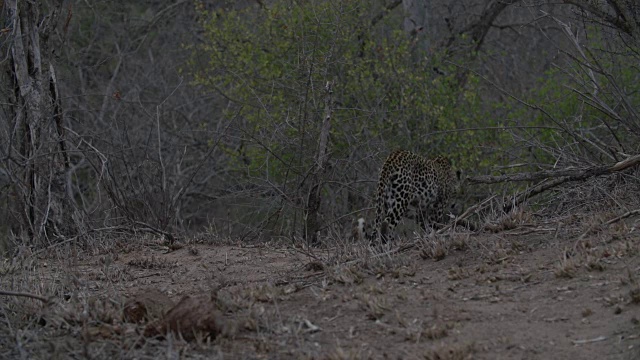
(572, 174)
(551, 178)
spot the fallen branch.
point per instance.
(142, 226)
(529, 193)
(588, 341)
(21, 294)
(596, 228)
(466, 214)
(531, 231)
(562, 176)
(623, 216)
(570, 174)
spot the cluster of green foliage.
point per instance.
(274, 62)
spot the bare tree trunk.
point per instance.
(37, 158)
(313, 203)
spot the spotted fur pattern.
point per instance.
(414, 187)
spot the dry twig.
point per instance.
(623, 216)
(22, 294)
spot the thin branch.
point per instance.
(466, 214)
(146, 227)
(529, 193)
(22, 294)
(479, 28)
(385, 11)
(181, 192)
(619, 23)
(623, 216)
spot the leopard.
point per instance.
(414, 187)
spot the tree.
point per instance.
(34, 151)
(272, 63)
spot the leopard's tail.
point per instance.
(360, 232)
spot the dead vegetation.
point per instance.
(451, 352)
(498, 288)
(101, 200)
(423, 298)
(193, 317)
(324, 303)
(145, 306)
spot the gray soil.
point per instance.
(524, 295)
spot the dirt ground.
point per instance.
(528, 293)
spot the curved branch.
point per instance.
(479, 28)
(561, 177)
(619, 21)
(570, 174)
(21, 294)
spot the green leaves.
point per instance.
(276, 60)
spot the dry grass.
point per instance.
(152, 262)
(410, 293)
(451, 352)
(567, 268)
(594, 252)
(457, 273)
(346, 275)
(344, 354)
(375, 307)
(416, 332)
(434, 247)
(512, 220)
(594, 262)
(88, 318)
